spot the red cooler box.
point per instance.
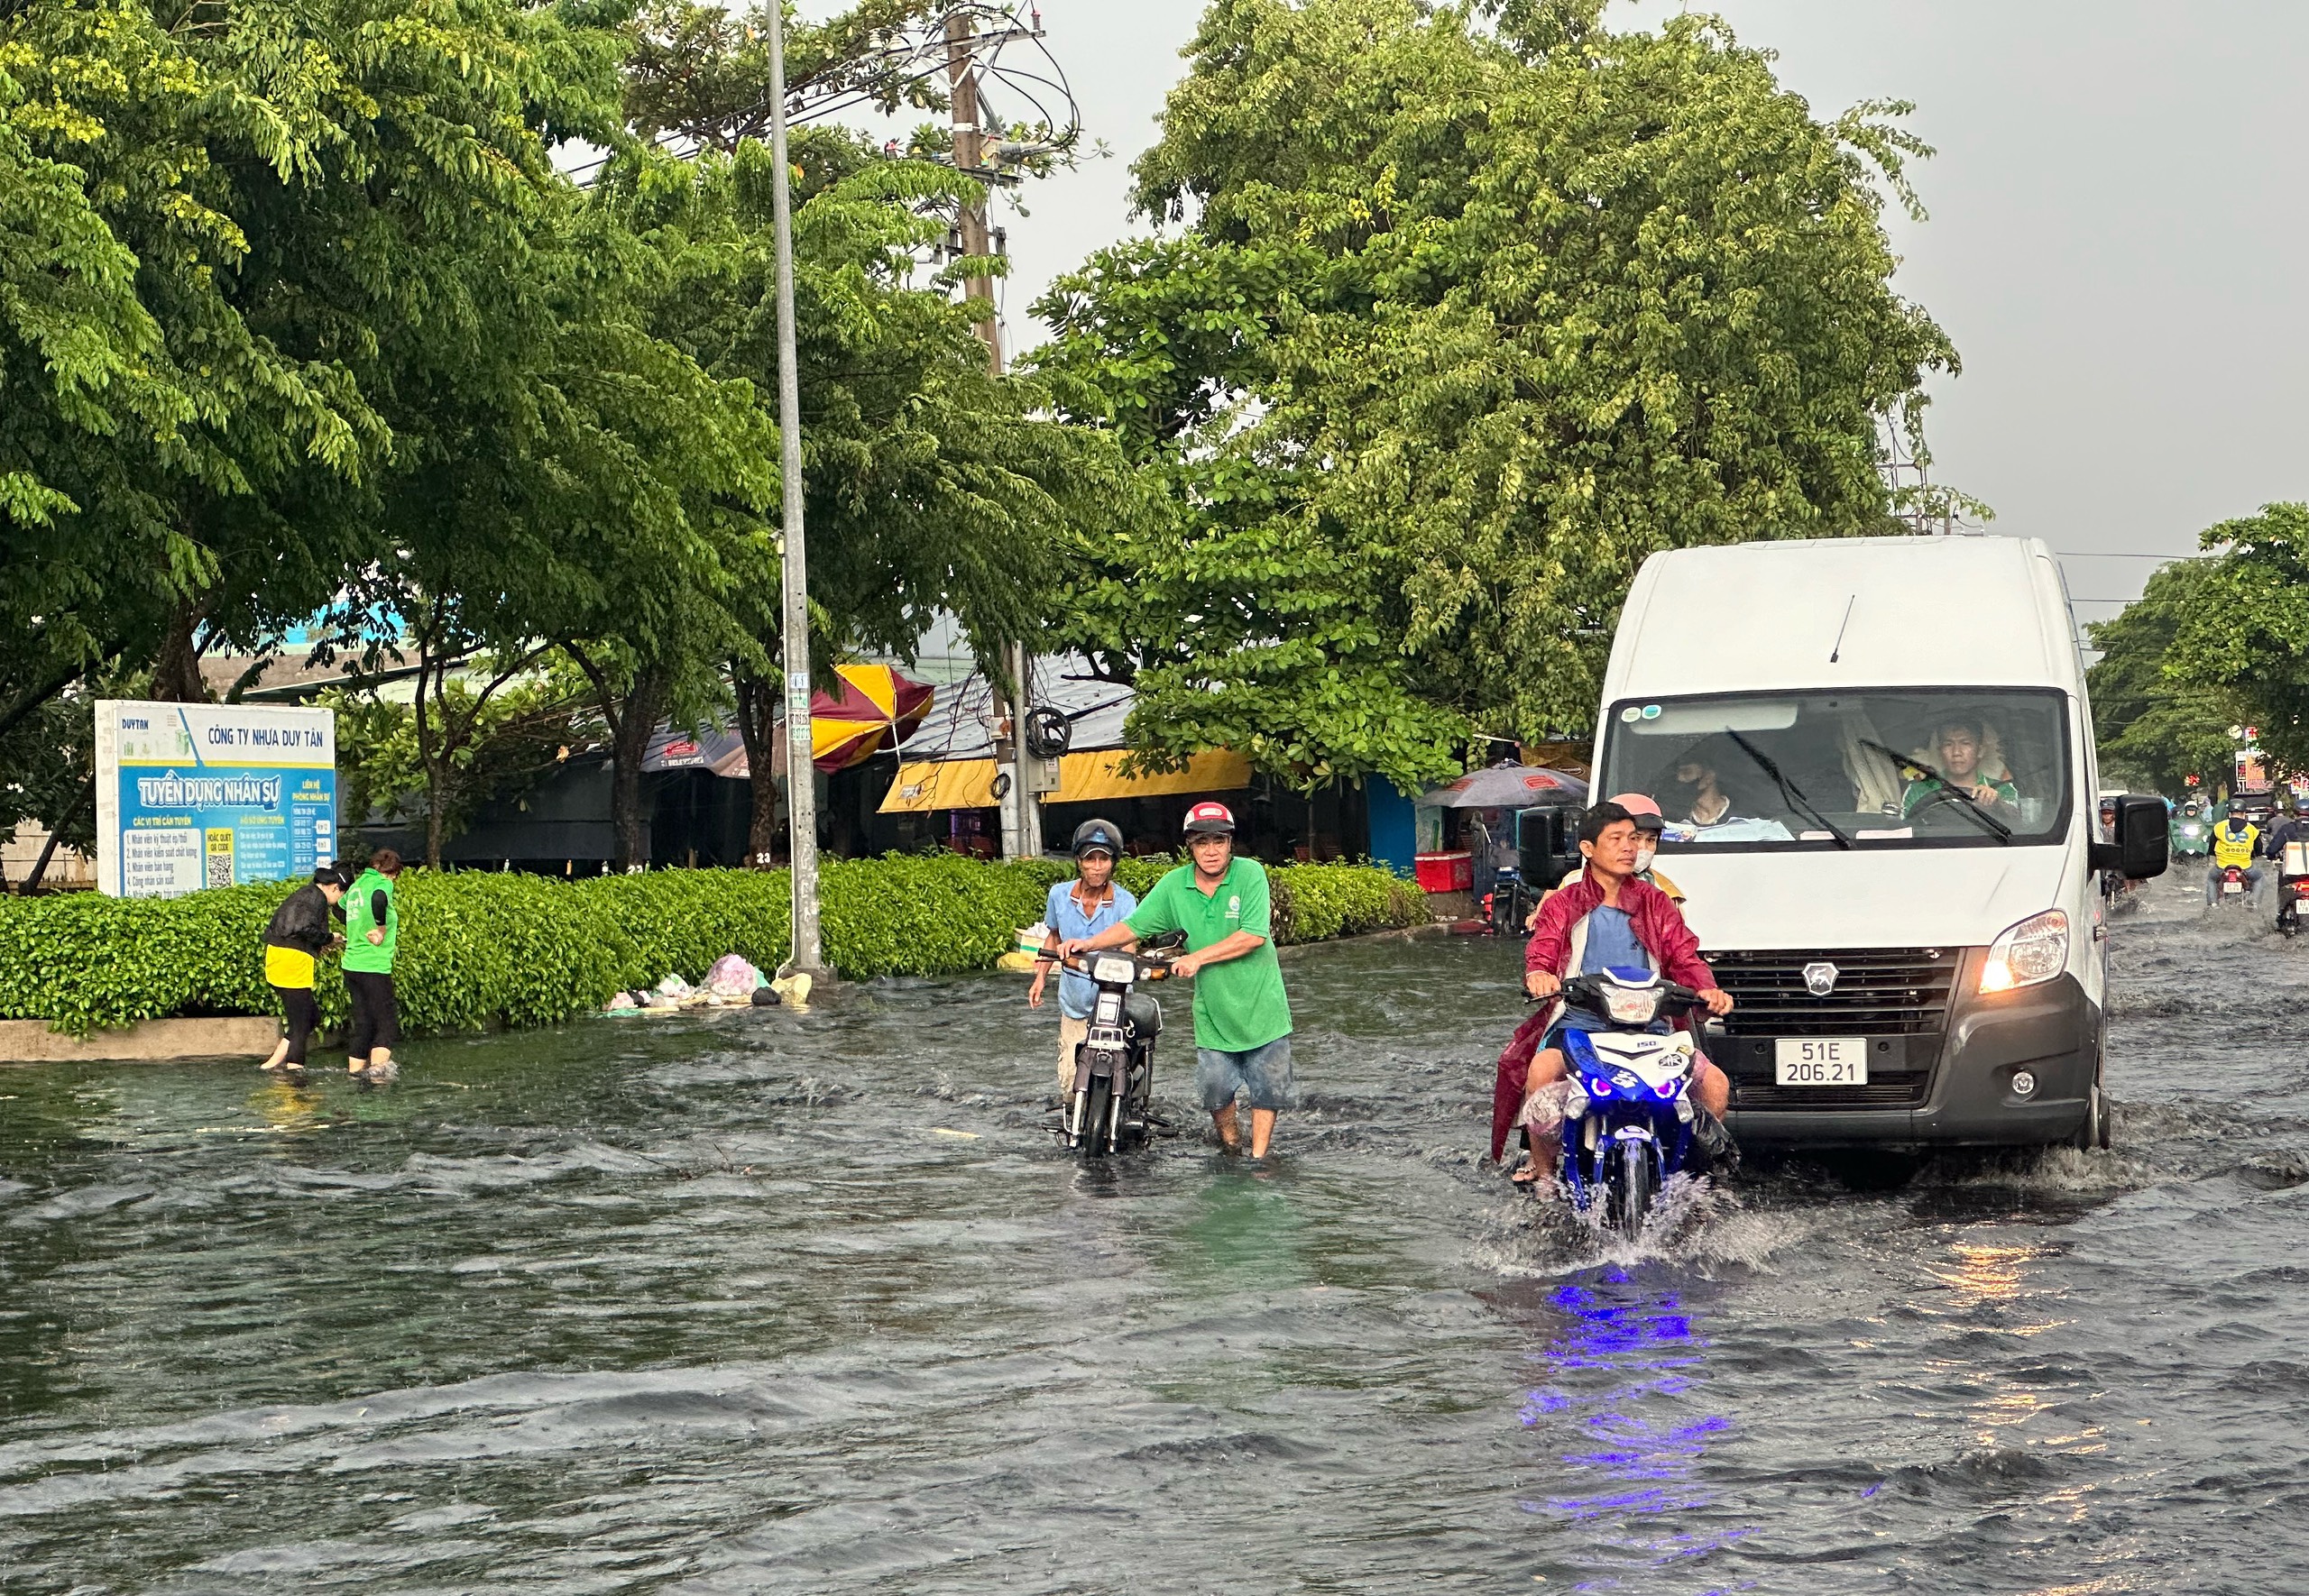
(1444, 872)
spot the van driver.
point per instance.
(1959, 747)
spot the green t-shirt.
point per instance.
(1919, 791)
(1239, 1004)
(359, 954)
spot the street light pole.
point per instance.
(801, 789)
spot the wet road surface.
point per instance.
(781, 1303)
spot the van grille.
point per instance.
(1893, 1091)
(1879, 992)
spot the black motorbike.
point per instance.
(1112, 1108)
(1508, 906)
(2290, 864)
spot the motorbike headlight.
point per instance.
(1120, 972)
(1627, 1008)
(2028, 954)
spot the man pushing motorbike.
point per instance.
(1607, 918)
(1242, 1019)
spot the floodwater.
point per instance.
(773, 1303)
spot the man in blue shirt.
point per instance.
(1078, 910)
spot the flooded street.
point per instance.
(771, 1302)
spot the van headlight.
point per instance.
(2028, 954)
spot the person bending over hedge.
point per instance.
(297, 936)
(373, 934)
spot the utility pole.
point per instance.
(801, 775)
(969, 140)
(1022, 816)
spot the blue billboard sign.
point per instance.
(196, 795)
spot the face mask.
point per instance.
(1643, 857)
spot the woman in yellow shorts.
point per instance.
(297, 935)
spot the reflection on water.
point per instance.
(1627, 1401)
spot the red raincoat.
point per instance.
(1658, 924)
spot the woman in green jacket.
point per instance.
(372, 934)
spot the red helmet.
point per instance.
(1211, 819)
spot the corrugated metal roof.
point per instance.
(961, 722)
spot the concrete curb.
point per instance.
(30, 1041)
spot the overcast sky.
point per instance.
(2118, 240)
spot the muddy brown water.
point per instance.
(811, 1303)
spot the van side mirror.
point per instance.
(2143, 843)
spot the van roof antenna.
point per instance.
(1839, 648)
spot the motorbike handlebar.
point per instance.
(1587, 992)
(1151, 965)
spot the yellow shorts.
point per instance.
(287, 966)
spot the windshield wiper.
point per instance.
(1973, 806)
(1788, 790)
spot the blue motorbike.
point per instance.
(1627, 1117)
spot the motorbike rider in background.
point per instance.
(2236, 845)
(2294, 828)
(2190, 829)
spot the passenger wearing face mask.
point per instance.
(1693, 788)
(1649, 824)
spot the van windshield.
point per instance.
(1966, 767)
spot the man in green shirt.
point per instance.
(372, 937)
(1242, 1020)
(1958, 744)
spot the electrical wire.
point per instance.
(934, 51)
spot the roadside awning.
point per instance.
(1082, 778)
(715, 750)
(946, 784)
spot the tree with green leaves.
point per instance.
(300, 314)
(702, 72)
(487, 737)
(2152, 728)
(297, 314)
(1458, 326)
(47, 778)
(933, 485)
(2240, 636)
(165, 387)
(326, 239)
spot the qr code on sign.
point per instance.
(220, 858)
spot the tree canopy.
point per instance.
(1454, 327)
(2241, 641)
(299, 317)
(2153, 727)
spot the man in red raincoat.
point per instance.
(1608, 917)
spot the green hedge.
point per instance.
(480, 949)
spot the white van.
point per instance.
(1876, 759)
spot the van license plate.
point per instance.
(1821, 1061)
